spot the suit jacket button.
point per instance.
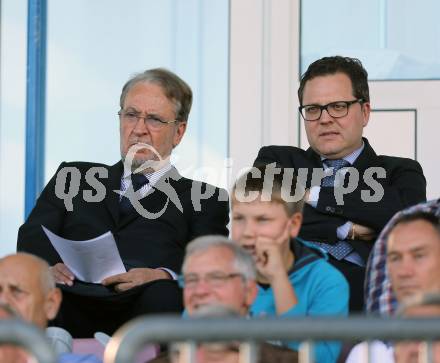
(330, 209)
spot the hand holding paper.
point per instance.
(91, 260)
(62, 274)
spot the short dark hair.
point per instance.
(352, 67)
(430, 218)
(174, 87)
(284, 185)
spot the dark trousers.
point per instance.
(355, 276)
(82, 316)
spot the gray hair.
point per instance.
(175, 89)
(243, 261)
(422, 299)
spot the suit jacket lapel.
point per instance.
(314, 162)
(314, 158)
(366, 159)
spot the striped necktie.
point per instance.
(137, 182)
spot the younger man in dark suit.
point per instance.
(151, 210)
(344, 219)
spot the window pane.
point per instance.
(12, 121)
(95, 46)
(394, 39)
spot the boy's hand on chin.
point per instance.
(270, 259)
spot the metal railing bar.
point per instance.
(306, 354)
(427, 352)
(135, 334)
(189, 352)
(248, 352)
(28, 337)
(369, 351)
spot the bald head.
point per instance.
(32, 265)
(27, 286)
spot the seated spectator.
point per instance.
(27, 288)
(151, 210)
(378, 290)
(216, 271)
(413, 264)
(294, 278)
(419, 305)
(335, 104)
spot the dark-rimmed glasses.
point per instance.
(334, 109)
(213, 279)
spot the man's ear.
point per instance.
(295, 222)
(52, 303)
(366, 110)
(179, 132)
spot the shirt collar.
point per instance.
(153, 177)
(165, 168)
(351, 158)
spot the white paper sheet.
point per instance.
(90, 260)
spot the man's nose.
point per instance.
(325, 116)
(249, 229)
(202, 287)
(406, 268)
(140, 127)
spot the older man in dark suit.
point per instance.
(149, 207)
(343, 215)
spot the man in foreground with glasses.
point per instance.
(335, 106)
(217, 276)
(151, 210)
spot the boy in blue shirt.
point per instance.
(294, 278)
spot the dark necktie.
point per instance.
(137, 182)
(340, 249)
(337, 164)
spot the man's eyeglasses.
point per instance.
(334, 109)
(213, 279)
(132, 117)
